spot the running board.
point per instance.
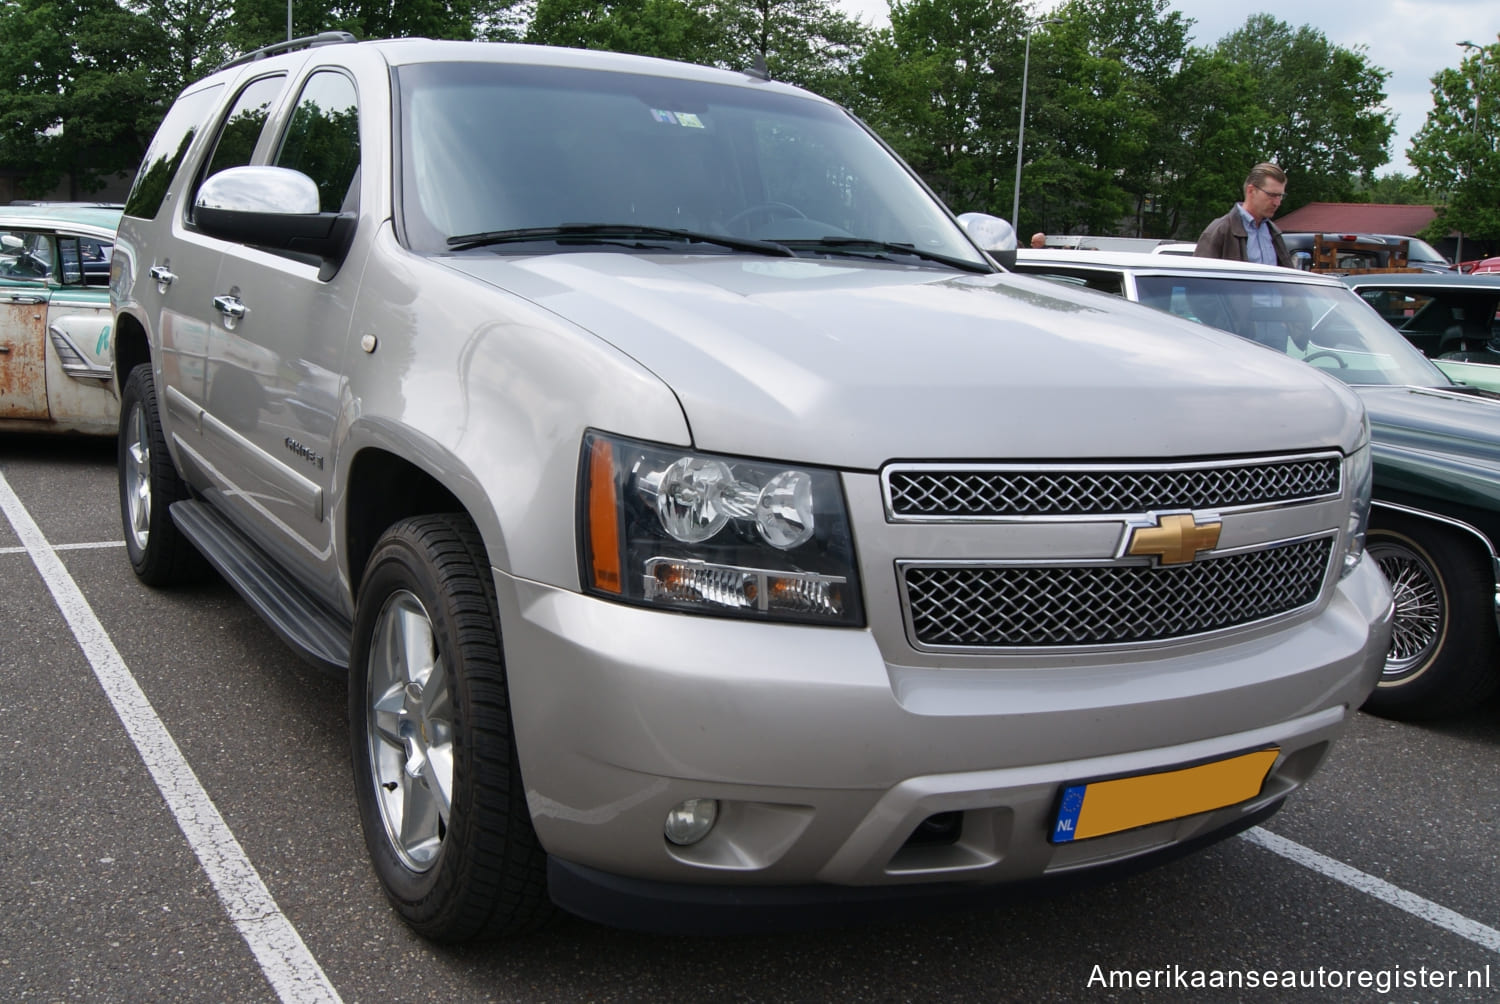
(318, 634)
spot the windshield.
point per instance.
(1327, 326)
(1418, 250)
(488, 149)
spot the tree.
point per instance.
(942, 85)
(1101, 123)
(81, 86)
(1395, 189)
(1208, 145)
(810, 43)
(1455, 150)
(1322, 116)
(671, 29)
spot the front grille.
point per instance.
(993, 493)
(1029, 606)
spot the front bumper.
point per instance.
(827, 756)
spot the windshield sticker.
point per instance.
(687, 119)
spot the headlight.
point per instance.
(1359, 472)
(667, 527)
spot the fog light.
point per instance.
(691, 821)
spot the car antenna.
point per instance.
(758, 67)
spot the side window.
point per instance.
(322, 138)
(242, 127)
(85, 261)
(168, 147)
(26, 255)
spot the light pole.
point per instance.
(1015, 204)
(288, 20)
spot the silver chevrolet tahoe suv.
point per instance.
(711, 535)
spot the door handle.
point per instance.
(164, 276)
(232, 308)
(26, 298)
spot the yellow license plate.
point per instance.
(1096, 808)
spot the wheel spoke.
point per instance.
(410, 730)
(420, 835)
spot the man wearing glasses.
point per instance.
(1246, 232)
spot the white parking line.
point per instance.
(68, 547)
(1413, 904)
(291, 969)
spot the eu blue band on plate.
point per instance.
(1067, 815)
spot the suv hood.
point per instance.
(854, 364)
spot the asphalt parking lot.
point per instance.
(178, 824)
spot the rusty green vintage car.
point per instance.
(55, 355)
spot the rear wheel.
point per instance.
(435, 764)
(160, 554)
(1445, 653)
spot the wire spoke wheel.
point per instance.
(1419, 608)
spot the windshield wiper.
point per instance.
(612, 233)
(864, 247)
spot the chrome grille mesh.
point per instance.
(1004, 606)
(931, 493)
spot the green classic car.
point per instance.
(55, 351)
(1435, 528)
(1453, 319)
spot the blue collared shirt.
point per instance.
(1259, 247)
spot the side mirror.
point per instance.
(992, 234)
(273, 207)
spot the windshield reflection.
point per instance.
(1327, 326)
(499, 148)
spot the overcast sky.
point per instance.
(1409, 39)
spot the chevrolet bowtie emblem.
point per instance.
(1176, 540)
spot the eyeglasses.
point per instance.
(1277, 196)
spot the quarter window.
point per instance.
(322, 139)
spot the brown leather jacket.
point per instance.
(1225, 237)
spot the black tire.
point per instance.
(1445, 652)
(149, 483)
(473, 870)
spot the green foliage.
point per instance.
(671, 29)
(1322, 116)
(1456, 149)
(80, 91)
(942, 85)
(810, 43)
(1394, 190)
(1099, 121)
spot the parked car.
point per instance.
(1436, 524)
(55, 373)
(708, 530)
(1485, 265)
(1419, 253)
(1372, 251)
(1452, 319)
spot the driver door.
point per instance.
(26, 260)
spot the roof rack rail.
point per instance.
(306, 42)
